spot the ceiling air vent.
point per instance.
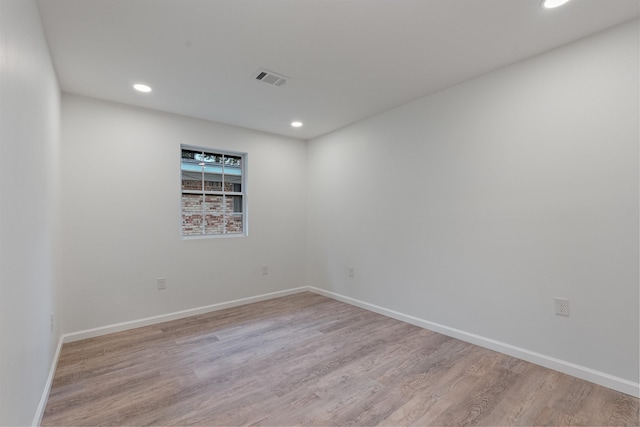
(270, 77)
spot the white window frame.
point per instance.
(223, 193)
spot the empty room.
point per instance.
(319, 212)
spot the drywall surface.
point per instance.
(121, 216)
(476, 206)
(29, 147)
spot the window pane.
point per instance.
(234, 223)
(233, 214)
(212, 178)
(190, 154)
(191, 214)
(233, 161)
(191, 172)
(214, 218)
(234, 204)
(191, 181)
(210, 158)
(232, 183)
(233, 173)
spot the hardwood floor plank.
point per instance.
(305, 359)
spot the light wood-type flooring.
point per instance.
(309, 360)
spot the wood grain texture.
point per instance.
(306, 359)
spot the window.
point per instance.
(213, 198)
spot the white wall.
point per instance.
(475, 206)
(121, 216)
(471, 208)
(29, 147)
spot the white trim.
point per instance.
(37, 419)
(582, 372)
(118, 327)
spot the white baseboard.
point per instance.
(37, 419)
(588, 374)
(118, 327)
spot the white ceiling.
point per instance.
(347, 59)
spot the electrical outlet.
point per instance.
(162, 283)
(351, 271)
(264, 269)
(51, 317)
(562, 306)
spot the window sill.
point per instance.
(214, 236)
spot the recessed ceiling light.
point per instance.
(142, 87)
(550, 4)
(296, 124)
